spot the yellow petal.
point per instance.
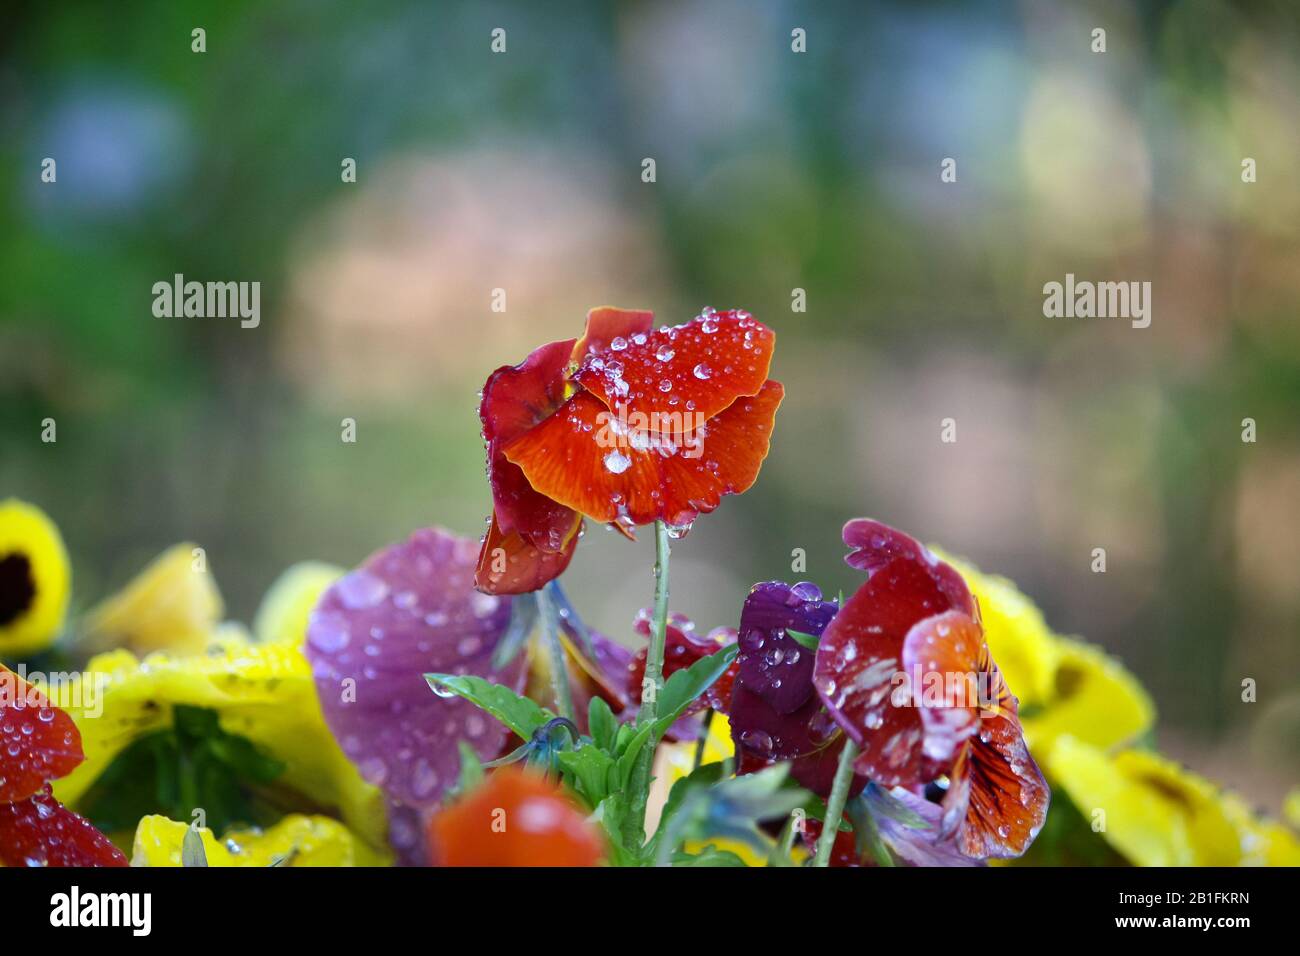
(35, 580)
(173, 604)
(1019, 639)
(673, 761)
(1148, 808)
(1094, 699)
(288, 603)
(263, 692)
(297, 840)
(1264, 842)
(1291, 808)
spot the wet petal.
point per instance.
(859, 675)
(876, 544)
(511, 564)
(580, 458)
(942, 657)
(997, 800)
(674, 378)
(682, 648)
(516, 398)
(773, 664)
(38, 742)
(40, 831)
(607, 323)
(408, 610)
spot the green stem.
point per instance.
(835, 805)
(706, 726)
(654, 664)
(555, 650)
(639, 783)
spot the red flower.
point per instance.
(40, 743)
(905, 671)
(516, 818)
(682, 648)
(627, 425)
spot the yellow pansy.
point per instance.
(1095, 700)
(1291, 808)
(173, 605)
(1147, 807)
(1264, 842)
(1065, 686)
(297, 840)
(1019, 639)
(261, 692)
(288, 603)
(34, 580)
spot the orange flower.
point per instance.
(516, 818)
(627, 425)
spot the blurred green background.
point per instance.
(775, 171)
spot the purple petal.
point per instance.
(915, 845)
(408, 610)
(774, 665)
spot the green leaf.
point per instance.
(809, 641)
(517, 712)
(687, 684)
(815, 807)
(589, 770)
(709, 856)
(602, 723)
(627, 759)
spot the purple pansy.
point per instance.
(408, 610)
(775, 712)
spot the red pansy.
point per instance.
(682, 648)
(905, 671)
(627, 425)
(40, 743)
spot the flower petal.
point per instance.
(515, 398)
(409, 609)
(875, 544)
(859, 668)
(40, 831)
(577, 458)
(944, 653)
(677, 376)
(38, 742)
(771, 663)
(997, 799)
(512, 564)
(516, 818)
(607, 323)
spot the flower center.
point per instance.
(17, 589)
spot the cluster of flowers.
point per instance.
(443, 703)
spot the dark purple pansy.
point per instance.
(775, 712)
(408, 610)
